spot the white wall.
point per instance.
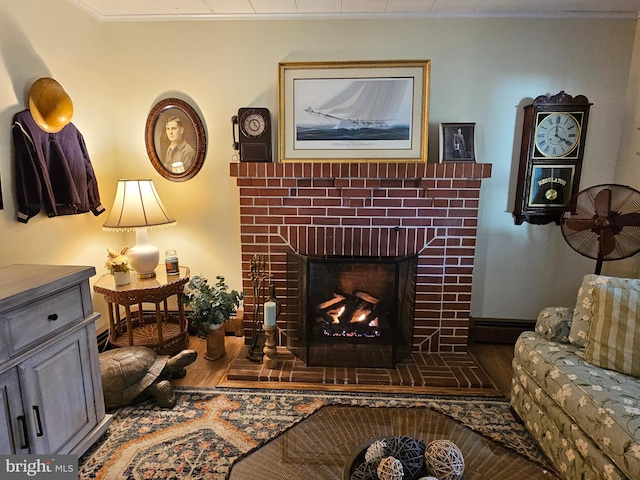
(628, 169)
(483, 71)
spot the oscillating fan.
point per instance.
(603, 223)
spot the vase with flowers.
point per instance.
(118, 265)
(210, 306)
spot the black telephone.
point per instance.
(254, 134)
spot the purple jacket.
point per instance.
(53, 171)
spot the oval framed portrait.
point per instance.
(175, 139)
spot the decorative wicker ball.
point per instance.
(410, 452)
(444, 460)
(390, 468)
(366, 471)
(376, 451)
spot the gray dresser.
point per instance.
(50, 389)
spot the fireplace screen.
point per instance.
(350, 311)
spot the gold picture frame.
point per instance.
(329, 111)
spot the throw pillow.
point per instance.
(554, 323)
(614, 336)
(582, 314)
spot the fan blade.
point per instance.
(626, 220)
(603, 202)
(579, 224)
(607, 241)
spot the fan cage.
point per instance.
(623, 200)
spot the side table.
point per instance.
(165, 331)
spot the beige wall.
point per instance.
(483, 71)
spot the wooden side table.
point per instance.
(163, 331)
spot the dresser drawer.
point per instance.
(43, 317)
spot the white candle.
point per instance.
(269, 314)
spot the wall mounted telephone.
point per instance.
(254, 134)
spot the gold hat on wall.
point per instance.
(50, 105)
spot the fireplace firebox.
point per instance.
(350, 311)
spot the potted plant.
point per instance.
(118, 265)
(210, 306)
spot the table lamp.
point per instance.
(138, 207)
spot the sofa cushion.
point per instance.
(605, 403)
(614, 336)
(582, 315)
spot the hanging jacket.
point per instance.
(53, 170)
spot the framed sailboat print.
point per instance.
(354, 111)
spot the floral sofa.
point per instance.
(576, 381)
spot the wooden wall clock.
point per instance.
(553, 138)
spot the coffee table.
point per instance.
(320, 446)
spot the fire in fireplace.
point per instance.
(350, 311)
(350, 315)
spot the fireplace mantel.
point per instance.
(377, 208)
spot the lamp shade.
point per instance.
(136, 205)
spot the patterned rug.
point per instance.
(209, 428)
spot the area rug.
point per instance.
(209, 428)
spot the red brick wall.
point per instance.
(386, 209)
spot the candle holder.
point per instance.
(270, 358)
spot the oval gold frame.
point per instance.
(155, 137)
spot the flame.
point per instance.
(336, 314)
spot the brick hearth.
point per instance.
(378, 209)
(420, 371)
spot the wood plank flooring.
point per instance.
(495, 359)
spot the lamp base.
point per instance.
(144, 256)
(146, 275)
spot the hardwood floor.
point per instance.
(208, 373)
(495, 359)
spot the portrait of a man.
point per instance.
(457, 142)
(179, 153)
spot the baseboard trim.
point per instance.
(497, 330)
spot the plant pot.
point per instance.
(215, 342)
(121, 278)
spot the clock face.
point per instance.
(557, 134)
(253, 124)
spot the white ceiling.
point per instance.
(122, 10)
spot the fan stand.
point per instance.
(600, 259)
(599, 263)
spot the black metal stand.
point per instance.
(258, 275)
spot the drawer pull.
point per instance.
(25, 432)
(39, 433)
(53, 317)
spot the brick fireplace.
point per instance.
(369, 209)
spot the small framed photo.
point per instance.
(175, 139)
(457, 142)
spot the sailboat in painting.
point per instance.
(364, 109)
